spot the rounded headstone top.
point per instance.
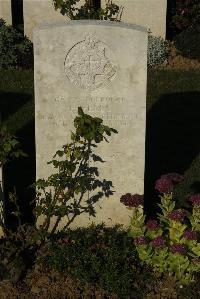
(92, 22)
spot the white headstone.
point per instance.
(5, 11)
(38, 12)
(102, 67)
(149, 13)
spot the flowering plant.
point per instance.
(185, 14)
(170, 243)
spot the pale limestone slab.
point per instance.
(102, 67)
(39, 12)
(149, 13)
(5, 11)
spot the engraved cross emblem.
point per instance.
(87, 64)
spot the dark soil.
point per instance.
(45, 284)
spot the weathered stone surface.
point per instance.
(5, 11)
(100, 66)
(38, 12)
(148, 13)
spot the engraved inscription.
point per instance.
(89, 64)
(99, 106)
(96, 106)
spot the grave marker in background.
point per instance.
(102, 67)
(40, 11)
(149, 13)
(5, 11)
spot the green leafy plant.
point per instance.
(67, 193)
(186, 25)
(101, 255)
(187, 42)
(157, 51)
(9, 147)
(16, 51)
(71, 191)
(111, 11)
(186, 14)
(170, 245)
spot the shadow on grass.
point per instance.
(19, 173)
(172, 139)
(11, 102)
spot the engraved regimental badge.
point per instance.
(89, 64)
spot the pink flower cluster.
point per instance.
(139, 240)
(177, 215)
(165, 183)
(190, 235)
(158, 242)
(152, 224)
(132, 200)
(195, 199)
(178, 248)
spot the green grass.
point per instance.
(17, 98)
(172, 136)
(162, 82)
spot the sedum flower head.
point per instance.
(195, 199)
(152, 224)
(190, 235)
(177, 215)
(139, 240)
(158, 242)
(132, 200)
(165, 183)
(178, 248)
(174, 177)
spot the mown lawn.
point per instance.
(17, 98)
(162, 82)
(172, 134)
